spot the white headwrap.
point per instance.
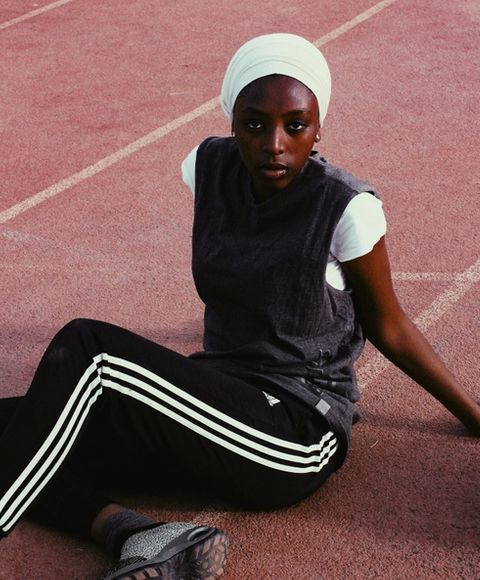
(284, 54)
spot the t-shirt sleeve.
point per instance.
(188, 169)
(359, 229)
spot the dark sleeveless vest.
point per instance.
(260, 270)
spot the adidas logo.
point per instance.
(271, 399)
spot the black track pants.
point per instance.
(103, 398)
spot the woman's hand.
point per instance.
(388, 327)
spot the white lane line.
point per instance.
(99, 166)
(33, 13)
(210, 516)
(157, 134)
(424, 276)
(353, 22)
(461, 284)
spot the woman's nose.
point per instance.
(274, 141)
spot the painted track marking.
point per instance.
(33, 13)
(423, 276)
(157, 134)
(461, 284)
(99, 166)
(353, 22)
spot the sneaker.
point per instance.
(174, 551)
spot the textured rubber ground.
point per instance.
(203, 560)
(81, 82)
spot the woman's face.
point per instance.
(276, 124)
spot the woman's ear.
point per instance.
(318, 136)
(232, 130)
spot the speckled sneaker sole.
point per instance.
(199, 554)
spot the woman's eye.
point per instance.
(297, 125)
(254, 125)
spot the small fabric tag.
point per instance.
(323, 407)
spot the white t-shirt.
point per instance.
(361, 226)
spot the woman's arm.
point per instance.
(388, 327)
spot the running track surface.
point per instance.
(101, 102)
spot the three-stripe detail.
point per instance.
(130, 379)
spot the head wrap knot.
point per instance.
(284, 54)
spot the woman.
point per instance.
(290, 260)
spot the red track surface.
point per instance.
(82, 81)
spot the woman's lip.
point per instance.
(273, 171)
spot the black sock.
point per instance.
(120, 526)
